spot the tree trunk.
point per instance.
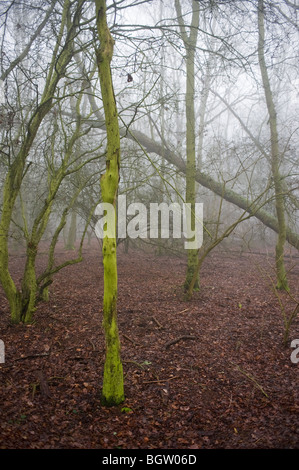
(71, 236)
(282, 282)
(191, 162)
(190, 45)
(29, 286)
(113, 386)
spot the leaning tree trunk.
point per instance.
(282, 282)
(113, 386)
(205, 180)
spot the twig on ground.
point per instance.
(181, 338)
(158, 323)
(161, 381)
(131, 340)
(250, 377)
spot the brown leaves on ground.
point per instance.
(208, 373)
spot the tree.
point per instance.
(282, 282)
(113, 386)
(190, 41)
(22, 302)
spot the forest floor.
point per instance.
(210, 373)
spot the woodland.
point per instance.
(141, 334)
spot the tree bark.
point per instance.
(113, 386)
(190, 45)
(71, 236)
(282, 282)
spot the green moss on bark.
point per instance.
(113, 383)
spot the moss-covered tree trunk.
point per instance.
(282, 282)
(29, 286)
(190, 46)
(72, 232)
(191, 162)
(113, 385)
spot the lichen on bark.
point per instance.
(113, 383)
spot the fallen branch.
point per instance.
(158, 323)
(161, 381)
(131, 340)
(185, 310)
(141, 365)
(181, 338)
(250, 377)
(31, 356)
